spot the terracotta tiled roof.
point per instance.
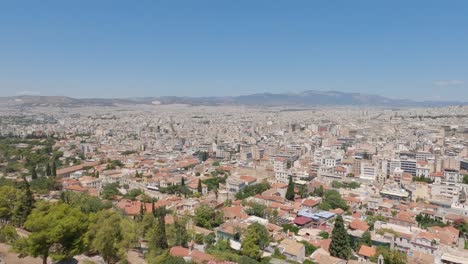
(310, 202)
(248, 179)
(357, 224)
(367, 251)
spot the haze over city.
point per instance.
(233, 132)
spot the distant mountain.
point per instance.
(301, 99)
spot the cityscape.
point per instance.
(233, 132)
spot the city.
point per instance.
(394, 181)
(234, 132)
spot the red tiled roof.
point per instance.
(367, 251)
(301, 220)
(357, 224)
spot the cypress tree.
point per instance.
(182, 183)
(54, 169)
(340, 246)
(290, 190)
(33, 173)
(199, 187)
(160, 238)
(48, 170)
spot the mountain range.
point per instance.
(302, 99)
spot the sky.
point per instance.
(111, 48)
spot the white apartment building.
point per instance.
(368, 171)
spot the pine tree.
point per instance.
(33, 173)
(199, 187)
(24, 205)
(48, 169)
(290, 190)
(340, 246)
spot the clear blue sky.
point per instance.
(97, 48)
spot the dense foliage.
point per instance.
(340, 244)
(252, 190)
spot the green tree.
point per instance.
(256, 239)
(104, 235)
(159, 237)
(207, 217)
(465, 179)
(110, 190)
(24, 204)
(54, 169)
(199, 187)
(33, 173)
(181, 233)
(57, 230)
(256, 209)
(8, 234)
(366, 239)
(324, 234)
(252, 190)
(333, 200)
(209, 239)
(390, 256)
(8, 200)
(87, 203)
(290, 190)
(164, 258)
(340, 246)
(48, 169)
(319, 192)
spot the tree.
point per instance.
(303, 192)
(159, 237)
(366, 239)
(256, 239)
(251, 190)
(33, 173)
(104, 235)
(290, 190)
(203, 155)
(199, 187)
(209, 239)
(54, 169)
(48, 169)
(390, 256)
(8, 199)
(85, 202)
(56, 230)
(333, 200)
(181, 233)
(207, 217)
(319, 192)
(110, 190)
(324, 234)
(24, 204)
(340, 246)
(256, 209)
(182, 182)
(8, 234)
